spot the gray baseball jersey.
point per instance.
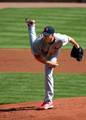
(42, 48)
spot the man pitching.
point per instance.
(46, 50)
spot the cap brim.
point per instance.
(46, 34)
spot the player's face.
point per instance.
(48, 38)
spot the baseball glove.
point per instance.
(77, 53)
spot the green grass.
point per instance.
(21, 87)
(13, 31)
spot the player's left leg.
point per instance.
(49, 84)
(49, 89)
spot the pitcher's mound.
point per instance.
(65, 109)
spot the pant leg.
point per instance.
(49, 80)
(49, 84)
(32, 35)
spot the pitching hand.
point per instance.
(52, 64)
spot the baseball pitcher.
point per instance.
(46, 49)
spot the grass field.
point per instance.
(13, 30)
(20, 87)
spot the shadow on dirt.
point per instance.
(18, 109)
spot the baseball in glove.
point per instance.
(77, 53)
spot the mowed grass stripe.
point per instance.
(70, 85)
(21, 87)
(66, 20)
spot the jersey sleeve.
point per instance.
(64, 38)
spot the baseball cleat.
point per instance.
(46, 105)
(29, 22)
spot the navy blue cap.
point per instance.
(48, 30)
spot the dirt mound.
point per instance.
(65, 109)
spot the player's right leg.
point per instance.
(31, 31)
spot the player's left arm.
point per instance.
(77, 51)
(73, 42)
